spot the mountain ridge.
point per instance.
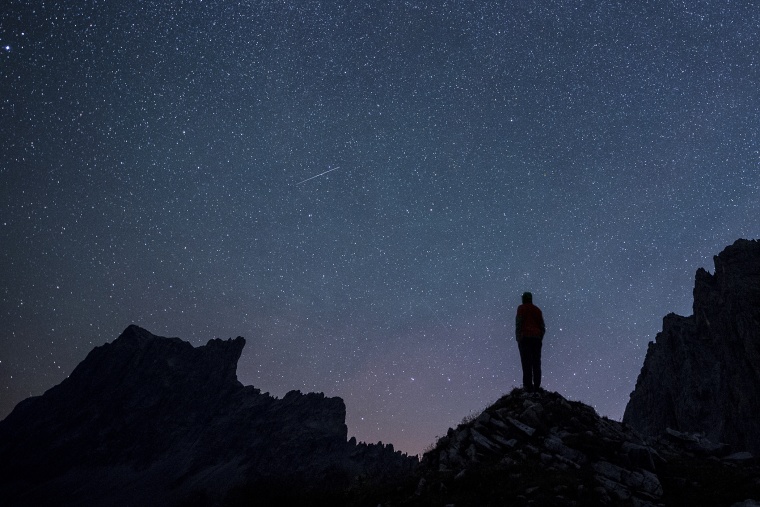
(172, 418)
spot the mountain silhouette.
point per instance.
(147, 420)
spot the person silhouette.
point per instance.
(529, 331)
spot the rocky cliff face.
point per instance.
(147, 420)
(702, 374)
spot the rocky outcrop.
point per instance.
(147, 420)
(702, 373)
(541, 449)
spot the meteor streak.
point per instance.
(318, 175)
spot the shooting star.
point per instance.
(444, 326)
(318, 175)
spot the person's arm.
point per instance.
(518, 326)
(543, 327)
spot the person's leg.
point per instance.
(525, 360)
(536, 363)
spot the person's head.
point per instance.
(527, 297)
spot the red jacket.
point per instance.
(529, 321)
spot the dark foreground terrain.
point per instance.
(541, 449)
(147, 420)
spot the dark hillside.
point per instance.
(541, 449)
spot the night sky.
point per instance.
(364, 189)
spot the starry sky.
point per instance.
(364, 189)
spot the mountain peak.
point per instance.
(701, 373)
(169, 422)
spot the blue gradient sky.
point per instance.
(364, 189)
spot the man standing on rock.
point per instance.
(529, 331)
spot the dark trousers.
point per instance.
(530, 357)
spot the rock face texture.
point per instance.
(702, 374)
(147, 420)
(541, 449)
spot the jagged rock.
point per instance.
(697, 443)
(555, 444)
(641, 481)
(740, 456)
(702, 373)
(522, 427)
(641, 456)
(170, 423)
(747, 503)
(484, 442)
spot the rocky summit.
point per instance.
(541, 449)
(147, 420)
(702, 373)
